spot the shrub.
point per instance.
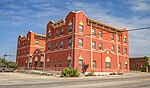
(91, 74)
(68, 72)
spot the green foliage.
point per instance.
(68, 72)
(147, 61)
(4, 62)
(12, 64)
(91, 74)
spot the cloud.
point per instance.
(139, 5)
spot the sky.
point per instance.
(19, 16)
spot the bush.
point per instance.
(91, 74)
(68, 72)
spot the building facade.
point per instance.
(138, 64)
(28, 47)
(78, 39)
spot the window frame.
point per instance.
(49, 47)
(112, 37)
(56, 33)
(100, 34)
(62, 31)
(80, 63)
(93, 46)
(108, 65)
(80, 42)
(112, 48)
(93, 32)
(70, 41)
(37, 42)
(80, 28)
(70, 27)
(100, 46)
(94, 64)
(61, 44)
(56, 45)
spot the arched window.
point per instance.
(125, 39)
(80, 62)
(70, 26)
(42, 61)
(30, 62)
(81, 27)
(108, 62)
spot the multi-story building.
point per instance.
(78, 39)
(28, 47)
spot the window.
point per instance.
(112, 48)
(81, 28)
(69, 63)
(37, 42)
(60, 63)
(94, 64)
(62, 31)
(126, 66)
(112, 37)
(70, 28)
(93, 32)
(118, 49)
(48, 47)
(56, 32)
(28, 41)
(69, 41)
(93, 45)
(49, 35)
(100, 34)
(80, 63)
(119, 65)
(47, 63)
(100, 46)
(81, 42)
(125, 50)
(118, 38)
(41, 63)
(56, 45)
(61, 44)
(54, 63)
(30, 64)
(125, 39)
(107, 64)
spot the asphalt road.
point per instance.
(17, 80)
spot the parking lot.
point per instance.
(21, 80)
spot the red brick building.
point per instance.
(69, 43)
(138, 64)
(28, 47)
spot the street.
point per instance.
(19, 80)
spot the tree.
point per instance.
(146, 63)
(4, 62)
